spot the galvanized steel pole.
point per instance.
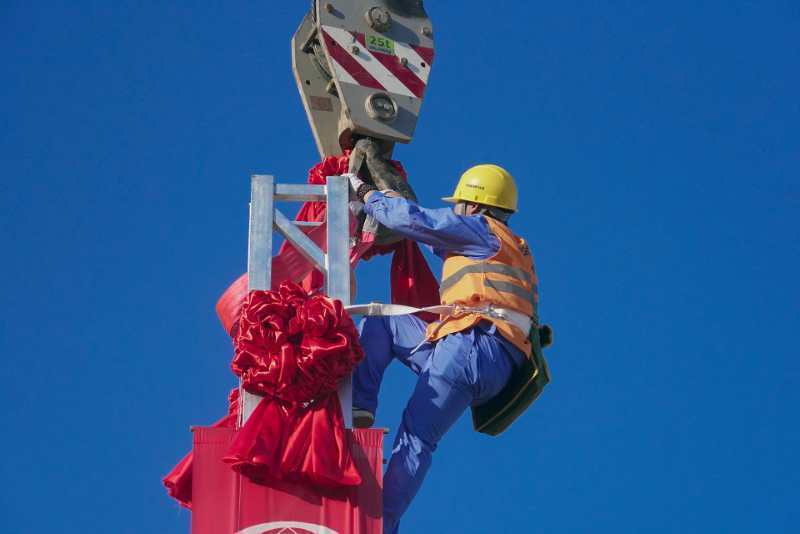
(337, 280)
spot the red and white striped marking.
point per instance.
(378, 70)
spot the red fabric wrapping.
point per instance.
(288, 265)
(317, 211)
(179, 481)
(295, 443)
(413, 283)
(294, 349)
(226, 503)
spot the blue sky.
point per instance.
(657, 149)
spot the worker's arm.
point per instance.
(446, 232)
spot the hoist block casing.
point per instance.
(362, 67)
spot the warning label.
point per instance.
(379, 43)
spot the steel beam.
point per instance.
(259, 256)
(259, 243)
(300, 193)
(337, 279)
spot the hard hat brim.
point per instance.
(456, 200)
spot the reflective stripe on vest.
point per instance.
(514, 289)
(484, 268)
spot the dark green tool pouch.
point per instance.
(524, 387)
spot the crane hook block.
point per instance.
(362, 67)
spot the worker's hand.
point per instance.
(360, 189)
(390, 193)
(355, 181)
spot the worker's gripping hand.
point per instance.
(355, 181)
(359, 187)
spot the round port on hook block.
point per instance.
(379, 19)
(380, 106)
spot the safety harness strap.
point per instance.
(520, 320)
(378, 308)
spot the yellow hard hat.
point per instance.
(486, 184)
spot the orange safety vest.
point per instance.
(506, 280)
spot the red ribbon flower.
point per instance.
(294, 349)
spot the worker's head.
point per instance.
(485, 189)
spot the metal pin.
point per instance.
(404, 61)
(329, 7)
(426, 31)
(356, 50)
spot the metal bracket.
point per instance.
(334, 265)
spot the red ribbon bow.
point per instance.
(294, 350)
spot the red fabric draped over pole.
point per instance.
(179, 481)
(225, 502)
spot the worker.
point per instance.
(468, 356)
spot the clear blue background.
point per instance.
(657, 149)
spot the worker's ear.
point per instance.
(473, 208)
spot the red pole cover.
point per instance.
(224, 501)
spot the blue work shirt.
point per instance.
(446, 232)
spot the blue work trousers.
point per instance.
(460, 370)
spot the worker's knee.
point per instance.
(418, 435)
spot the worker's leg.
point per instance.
(384, 339)
(444, 390)
(467, 368)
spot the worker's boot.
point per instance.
(362, 418)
